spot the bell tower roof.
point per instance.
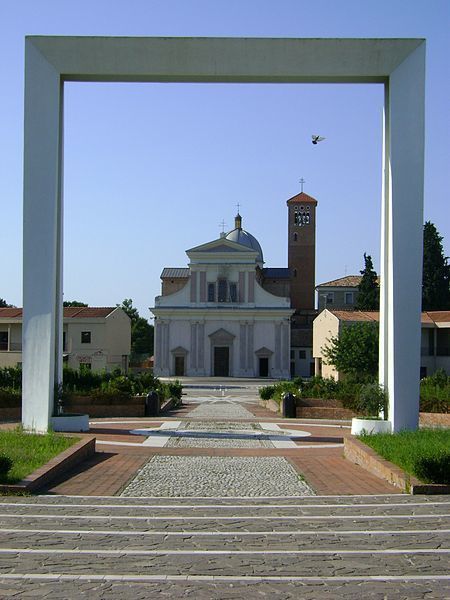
(301, 197)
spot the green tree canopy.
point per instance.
(355, 351)
(436, 271)
(141, 330)
(4, 304)
(369, 291)
(73, 303)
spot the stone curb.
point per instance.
(54, 468)
(271, 405)
(367, 458)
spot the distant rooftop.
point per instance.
(175, 273)
(276, 273)
(436, 316)
(347, 281)
(70, 312)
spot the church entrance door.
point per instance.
(263, 367)
(221, 361)
(179, 365)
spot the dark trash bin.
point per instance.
(152, 404)
(288, 407)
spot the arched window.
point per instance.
(295, 237)
(295, 272)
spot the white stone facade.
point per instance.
(222, 322)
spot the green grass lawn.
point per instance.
(29, 451)
(424, 453)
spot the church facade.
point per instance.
(227, 315)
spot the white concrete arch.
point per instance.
(397, 63)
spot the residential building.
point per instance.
(338, 294)
(435, 338)
(93, 338)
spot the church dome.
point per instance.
(240, 236)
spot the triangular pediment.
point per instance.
(221, 245)
(221, 336)
(263, 352)
(179, 350)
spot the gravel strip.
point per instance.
(217, 476)
(214, 434)
(221, 410)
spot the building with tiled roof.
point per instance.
(215, 317)
(435, 338)
(229, 314)
(97, 338)
(338, 294)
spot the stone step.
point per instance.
(211, 511)
(285, 563)
(237, 541)
(217, 501)
(234, 524)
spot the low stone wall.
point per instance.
(57, 466)
(324, 402)
(434, 419)
(116, 407)
(271, 405)
(95, 408)
(367, 458)
(10, 413)
(322, 412)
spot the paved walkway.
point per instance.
(221, 423)
(220, 500)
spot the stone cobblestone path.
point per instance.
(207, 525)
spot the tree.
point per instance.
(436, 271)
(127, 306)
(73, 303)
(4, 304)
(141, 330)
(355, 351)
(369, 291)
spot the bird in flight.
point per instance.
(316, 139)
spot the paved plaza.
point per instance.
(222, 499)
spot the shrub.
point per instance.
(10, 397)
(284, 387)
(172, 389)
(434, 404)
(5, 464)
(266, 392)
(439, 378)
(433, 468)
(121, 385)
(372, 400)
(11, 377)
(108, 396)
(84, 380)
(435, 393)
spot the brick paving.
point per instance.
(358, 537)
(325, 469)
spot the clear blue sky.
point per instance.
(152, 169)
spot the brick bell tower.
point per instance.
(302, 250)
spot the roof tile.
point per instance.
(70, 312)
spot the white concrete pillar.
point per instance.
(42, 240)
(401, 244)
